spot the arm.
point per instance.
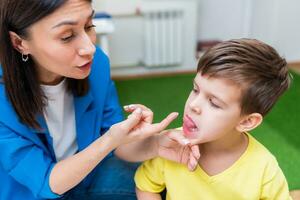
(276, 187)
(19, 156)
(69, 172)
(141, 195)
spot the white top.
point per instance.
(60, 118)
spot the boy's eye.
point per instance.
(213, 104)
(195, 90)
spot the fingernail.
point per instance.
(126, 107)
(185, 141)
(131, 106)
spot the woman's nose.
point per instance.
(87, 47)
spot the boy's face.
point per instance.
(212, 110)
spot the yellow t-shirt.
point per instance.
(255, 175)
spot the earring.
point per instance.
(25, 57)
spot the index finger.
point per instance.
(158, 127)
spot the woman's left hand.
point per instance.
(171, 144)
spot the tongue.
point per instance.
(189, 124)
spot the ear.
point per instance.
(249, 122)
(18, 43)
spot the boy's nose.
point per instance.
(196, 110)
(194, 105)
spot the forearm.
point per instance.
(69, 172)
(141, 195)
(138, 151)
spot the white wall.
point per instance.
(222, 20)
(126, 43)
(276, 22)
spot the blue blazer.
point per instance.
(27, 156)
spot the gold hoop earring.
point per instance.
(25, 57)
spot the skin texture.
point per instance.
(61, 43)
(213, 121)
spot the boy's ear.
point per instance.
(18, 43)
(249, 122)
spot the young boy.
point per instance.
(236, 85)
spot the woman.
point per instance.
(58, 106)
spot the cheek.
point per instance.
(219, 122)
(186, 108)
(62, 55)
(54, 54)
(93, 38)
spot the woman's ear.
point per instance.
(18, 43)
(249, 122)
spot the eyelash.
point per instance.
(210, 100)
(212, 104)
(67, 39)
(195, 90)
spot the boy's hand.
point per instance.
(138, 125)
(172, 145)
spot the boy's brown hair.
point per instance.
(255, 66)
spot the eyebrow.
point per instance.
(70, 22)
(211, 95)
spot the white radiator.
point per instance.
(163, 35)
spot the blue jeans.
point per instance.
(113, 180)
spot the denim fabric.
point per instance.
(113, 180)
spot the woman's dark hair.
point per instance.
(20, 78)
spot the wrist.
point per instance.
(156, 145)
(111, 140)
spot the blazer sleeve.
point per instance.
(26, 163)
(105, 88)
(112, 112)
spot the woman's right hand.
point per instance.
(138, 126)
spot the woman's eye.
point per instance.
(90, 27)
(67, 38)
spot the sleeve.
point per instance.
(26, 163)
(149, 177)
(112, 112)
(276, 187)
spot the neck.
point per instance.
(52, 81)
(228, 143)
(48, 78)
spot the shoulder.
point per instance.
(8, 116)
(162, 164)
(258, 150)
(264, 160)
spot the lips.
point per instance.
(85, 66)
(189, 126)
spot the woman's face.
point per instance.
(62, 44)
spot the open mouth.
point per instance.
(85, 66)
(189, 126)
